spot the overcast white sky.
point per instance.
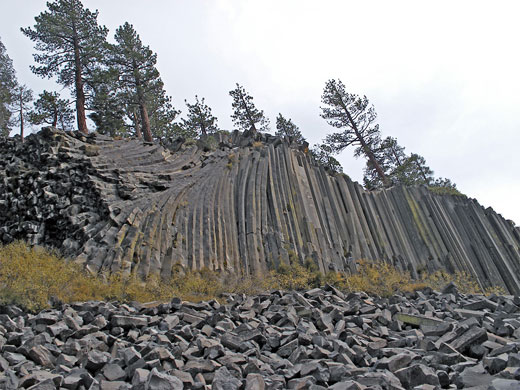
(444, 76)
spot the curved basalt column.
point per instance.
(234, 203)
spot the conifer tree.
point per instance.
(8, 85)
(163, 114)
(51, 110)
(286, 128)
(21, 103)
(356, 119)
(323, 155)
(139, 77)
(390, 156)
(400, 168)
(200, 119)
(245, 115)
(107, 105)
(70, 43)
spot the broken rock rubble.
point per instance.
(280, 340)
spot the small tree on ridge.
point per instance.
(245, 115)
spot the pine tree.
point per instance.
(51, 110)
(8, 85)
(356, 118)
(286, 128)
(414, 171)
(200, 119)
(163, 114)
(70, 43)
(323, 155)
(21, 103)
(400, 168)
(139, 77)
(390, 156)
(107, 105)
(245, 115)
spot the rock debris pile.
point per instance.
(281, 340)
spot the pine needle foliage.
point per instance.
(245, 114)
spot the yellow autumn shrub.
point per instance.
(31, 277)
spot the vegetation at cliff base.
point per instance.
(34, 277)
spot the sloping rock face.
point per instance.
(236, 203)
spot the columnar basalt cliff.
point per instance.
(240, 203)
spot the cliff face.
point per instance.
(237, 204)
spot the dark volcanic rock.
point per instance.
(122, 205)
(336, 342)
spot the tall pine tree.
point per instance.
(355, 118)
(245, 115)
(22, 99)
(107, 103)
(163, 114)
(140, 79)
(8, 85)
(70, 43)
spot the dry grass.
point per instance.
(32, 277)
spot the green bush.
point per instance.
(441, 190)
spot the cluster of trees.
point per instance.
(15, 102)
(386, 161)
(121, 88)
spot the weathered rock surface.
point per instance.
(366, 346)
(233, 205)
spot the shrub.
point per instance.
(441, 190)
(464, 282)
(31, 277)
(288, 277)
(231, 160)
(208, 143)
(377, 278)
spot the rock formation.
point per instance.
(319, 339)
(239, 203)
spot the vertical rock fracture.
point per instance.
(234, 203)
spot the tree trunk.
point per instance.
(396, 157)
(80, 95)
(21, 113)
(55, 118)
(426, 181)
(147, 132)
(366, 149)
(201, 121)
(145, 120)
(137, 126)
(372, 158)
(249, 116)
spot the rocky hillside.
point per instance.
(234, 203)
(319, 339)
